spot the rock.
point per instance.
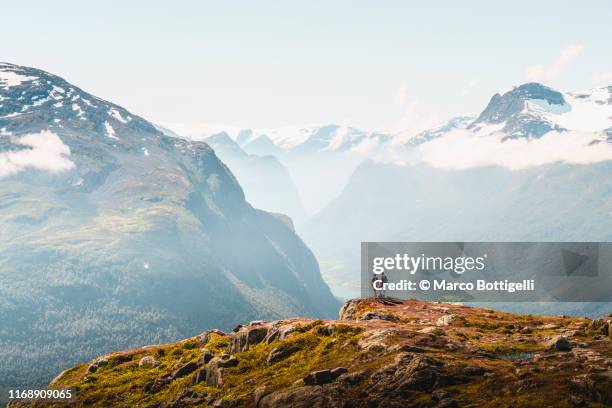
(549, 326)
(445, 320)
(585, 385)
(229, 362)
(428, 330)
(156, 385)
(374, 315)
(348, 311)
(215, 367)
(474, 370)
(185, 370)
(205, 337)
(199, 377)
(301, 397)
(207, 355)
(407, 348)
(448, 403)
(318, 377)
(148, 362)
(97, 363)
(439, 395)
(247, 336)
(280, 353)
(376, 340)
(337, 372)
(559, 343)
(258, 394)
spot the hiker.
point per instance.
(384, 279)
(376, 278)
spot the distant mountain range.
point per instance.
(266, 182)
(116, 235)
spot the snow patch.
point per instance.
(117, 115)
(110, 131)
(9, 78)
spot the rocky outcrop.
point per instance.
(425, 358)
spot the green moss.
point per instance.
(218, 343)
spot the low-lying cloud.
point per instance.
(463, 149)
(43, 151)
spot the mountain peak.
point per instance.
(33, 100)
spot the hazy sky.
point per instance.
(373, 64)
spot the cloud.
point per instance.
(463, 149)
(543, 73)
(401, 96)
(469, 87)
(601, 79)
(43, 151)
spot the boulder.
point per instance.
(338, 371)
(185, 370)
(148, 362)
(215, 367)
(280, 353)
(348, 311)
(207, 355)
(374, 315)
(258, 394)
(247, 336)
(318, 377)
(445, 320)
(559, 343)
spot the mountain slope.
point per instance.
(105, 219)
(382, 354)
(266, 182)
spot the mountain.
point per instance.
(320, 158)
(493, 179)
(532, 110)
(116, 235)
(460, 122)
(379, 354)
(266, 182)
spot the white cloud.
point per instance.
(43, 151)
(601, 79)
(469, 87)
(547, 73)
(401, 96)
(464, 149)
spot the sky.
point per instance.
(377, 65)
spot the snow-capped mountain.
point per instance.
(532, 110)
(528, 168)
(460, 122)
(113, 234)
(298, 139)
